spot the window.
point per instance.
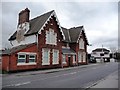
(51, 37)
(31, 58)
(55, 56)
(101, 54)
(84, 57)
(94, 53)
(45, 55)
(79, 57)
(81, 44)
(74, 59)
(21, 58)
(106, 52)
(26, 58)
(63, 59)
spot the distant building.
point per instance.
(101, 54)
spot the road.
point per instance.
(80, 77)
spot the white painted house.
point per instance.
(101, 54)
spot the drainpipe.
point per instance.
(61, 60)
(37, 49)
(8, 67)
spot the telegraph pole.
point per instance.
(102, 55)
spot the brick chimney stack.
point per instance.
(24, 16)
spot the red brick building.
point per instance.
(42, 43)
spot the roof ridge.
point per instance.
(76, 27)
(42, 15)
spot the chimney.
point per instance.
(24, 16)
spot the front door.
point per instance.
(69, 60)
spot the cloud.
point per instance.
(99, 18)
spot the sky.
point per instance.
(100, 19)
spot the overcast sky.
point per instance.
(100, 19)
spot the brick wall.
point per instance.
(42, 43)
(9, 63)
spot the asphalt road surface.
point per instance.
(72, 78)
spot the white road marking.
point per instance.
(18, 84)
(70, 73)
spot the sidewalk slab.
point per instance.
(110, 81)
(48, 71)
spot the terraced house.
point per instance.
(42, 43)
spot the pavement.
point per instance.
(110, 81)
(47, 70)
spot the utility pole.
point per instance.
(102, 55)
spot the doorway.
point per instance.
(69, 60)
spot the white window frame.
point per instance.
(55, 61)
(81, 43)
(84, 57)
(74, 59)
(32, 58)
(79, 57)
(43, 61)
(64, 59)
(24, 63)
(21, 58)
(51, 37)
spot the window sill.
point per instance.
(51, 44)
(63, 62)
(31, 63)
(45, 63)
(55, 63)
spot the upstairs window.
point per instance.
(51, 37)
(94, 53)
(106, 52)
(81, 44)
